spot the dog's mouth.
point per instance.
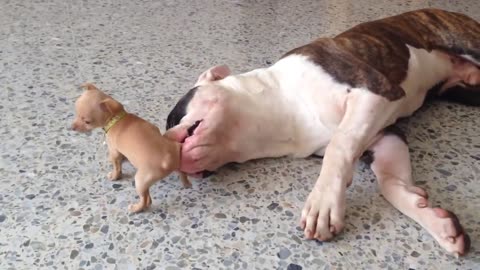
(192, 128)
(190, 131)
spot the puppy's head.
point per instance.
(93, 109)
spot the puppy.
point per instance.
(129, 136)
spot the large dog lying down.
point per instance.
(338, 98)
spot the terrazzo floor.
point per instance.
(58, 210)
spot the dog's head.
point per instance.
(201, 121)
(93, 109)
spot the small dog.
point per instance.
(153, 155)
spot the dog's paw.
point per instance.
(445, 227)
(323, 214)
(112, 176)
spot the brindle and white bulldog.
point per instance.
(338, 98)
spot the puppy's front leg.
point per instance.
(116, 159)
(365, 115)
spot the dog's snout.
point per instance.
(73, 127)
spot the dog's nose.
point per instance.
(73, 127)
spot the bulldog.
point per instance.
(339, 98)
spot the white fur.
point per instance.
(295, 103)
(425, 70)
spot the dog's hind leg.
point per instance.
(391, 165)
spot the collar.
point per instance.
(114, 120)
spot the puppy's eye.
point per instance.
(87, 122)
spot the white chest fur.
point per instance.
(291, 108)
(425, 70)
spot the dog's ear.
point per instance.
(111, 106)
(213, 74)
(88, 86)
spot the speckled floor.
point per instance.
(58, 210)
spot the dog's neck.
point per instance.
(265, 98)
(114, 120)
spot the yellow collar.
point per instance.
(113, 121)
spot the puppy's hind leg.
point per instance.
(143, 182)
(391, 165)
(185, 182)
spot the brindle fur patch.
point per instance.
(374, 54)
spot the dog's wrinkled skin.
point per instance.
(336, 97)
(153, 155)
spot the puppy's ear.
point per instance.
(88, 86)
(111, 106)
(213, 74)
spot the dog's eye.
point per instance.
(87, 122)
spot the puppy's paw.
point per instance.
(112, 176)
(186, 183)
(136, 208)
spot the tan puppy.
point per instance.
(153, 155)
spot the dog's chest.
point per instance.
(312, 99)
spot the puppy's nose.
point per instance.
(73, 127)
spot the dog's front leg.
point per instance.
(115, 158)
(365, 115)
